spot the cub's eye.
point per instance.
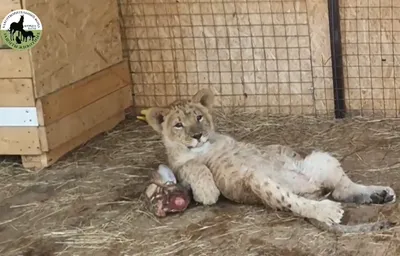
(178, 125)
(199, 118)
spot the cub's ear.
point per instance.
(155, 116)
(205, 97)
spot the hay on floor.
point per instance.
(88, 203)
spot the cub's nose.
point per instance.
(197, 136)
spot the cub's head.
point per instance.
(187, 122)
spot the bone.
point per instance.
(166, 174)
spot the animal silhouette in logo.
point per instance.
(16, 27)
(26, 35)
(22, 35)
(17, 40)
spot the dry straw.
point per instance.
(89, 202)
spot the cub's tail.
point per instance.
(340, 229)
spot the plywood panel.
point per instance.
(19, 141)
(76, 123)
(48, 158)
(319, 31)
(16, 93)
(69, 99)
(80, 38)
(320, 56)
(14, 64)
(7, 6)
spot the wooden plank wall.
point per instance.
(267, 55)
(57, 105)
(75, 77)
(15, 64)
(75, 109)
(16, 90)
(19, 140)
(75, 114)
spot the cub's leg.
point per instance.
(326, 170)
(200, 179)
(277, 197)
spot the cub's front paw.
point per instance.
(206, 194)
(329, 212)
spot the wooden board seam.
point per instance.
(61, 103)
(48, 158)
(72, 125)
(71, 84)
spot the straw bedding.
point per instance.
(89, 202)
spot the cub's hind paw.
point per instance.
(384, 196)
(374, 195)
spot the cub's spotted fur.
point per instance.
(212, 164)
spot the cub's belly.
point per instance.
(235, 185)
(238, 192)
(232, 172)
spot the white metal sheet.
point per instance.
(18, 116)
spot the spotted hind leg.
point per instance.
(326, 170)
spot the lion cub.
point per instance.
(212, 163)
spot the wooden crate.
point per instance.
(73, 85)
